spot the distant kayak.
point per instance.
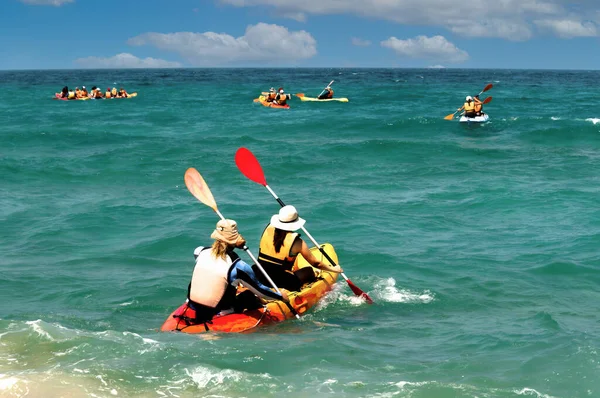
(59, 97)
(311, 99)
(263, 100)
(477, 119)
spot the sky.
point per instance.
(507, 34)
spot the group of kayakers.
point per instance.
(280, 97)
(95, 93)
(219, 271)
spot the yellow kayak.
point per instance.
(311, 99)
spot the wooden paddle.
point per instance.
(198, 187)
(250, 167)
(486, 88)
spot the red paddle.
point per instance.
(250, 167)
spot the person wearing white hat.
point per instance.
(218, 273)
(468, 107)
(282, 97)
(279, 247)
(269, 95)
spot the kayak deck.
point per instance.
(272, 312)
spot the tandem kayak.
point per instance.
(263, 100)
(311, 99)
(477, 119)
(272, 312)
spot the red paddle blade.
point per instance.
(358, 292)
(487, 100)
(487, 87)
(249, 166)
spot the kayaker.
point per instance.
(279, 247)
(72, 95)
(84, 92)
(97, 93)
(114, 92)
(108, 93)
(271, 95)
(218, 273)
(326, 94)
(468, 107)
(478, 108)
(123, 93)
(281, 97)
(64, 92)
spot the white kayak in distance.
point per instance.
(477, 119)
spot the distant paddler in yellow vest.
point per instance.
(114, 92)
(468, 107)
(108, 93)
(279, 246)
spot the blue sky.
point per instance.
(64, 34)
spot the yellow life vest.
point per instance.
(209, 280)
(469, 106)
(107, 95)
(267, 253)
(71, 95)
(114, 92)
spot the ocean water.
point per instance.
(480, 244)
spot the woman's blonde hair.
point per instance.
(219, 249)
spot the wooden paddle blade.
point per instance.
(249, 166)
(198, 187)
(256, 100)
(486, 88)
(300, 95)
(450, 116)
(487, 100)
(358, 292)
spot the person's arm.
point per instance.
(312, 260)
(243, 273)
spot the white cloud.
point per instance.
(55, 3)
(568, 29)
(260, 43)
(437, 67)
(423, 47)
(508, 19)
(125, 60)
(360, 42)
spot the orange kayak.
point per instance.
(271, 312)
(263, 100)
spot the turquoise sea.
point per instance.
(480, 245)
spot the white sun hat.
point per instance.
(287, 219)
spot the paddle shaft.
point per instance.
(306, 232)
(247, 250)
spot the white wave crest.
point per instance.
(386, 290)
(37, 327)
(532, 392)
(593, 120)
(204, 377)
